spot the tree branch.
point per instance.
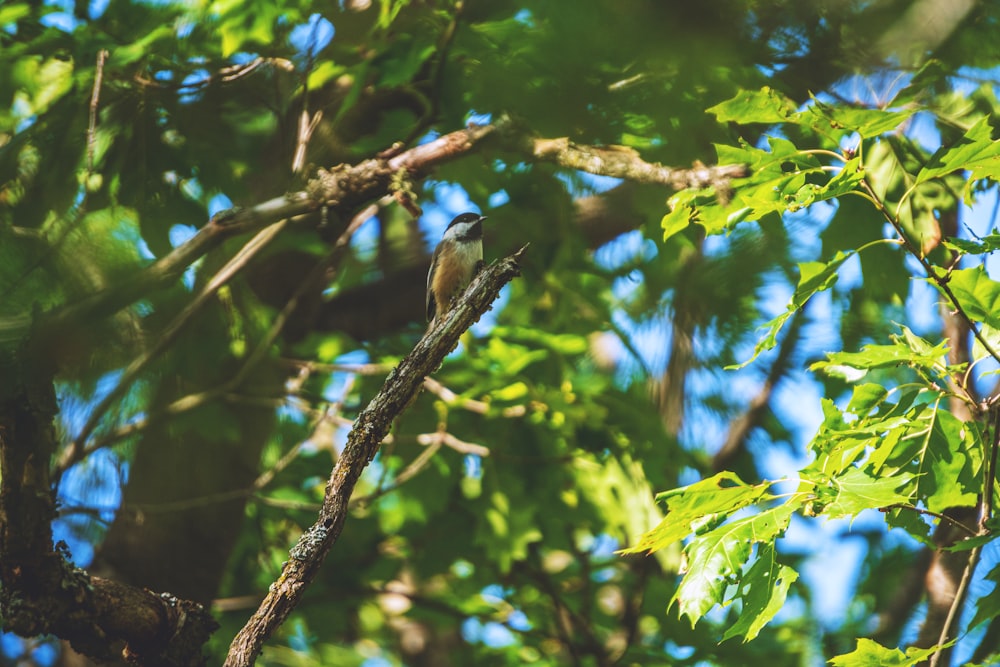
(363, 442)
(41, 592)
(626, 163)
(342, 188)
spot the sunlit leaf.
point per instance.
(976, 152)
(762, 590)
(715, 559)
(692, 507)
(950, 464)
(754, 106)
(14, 11)
(841, 118)
(855, 490)
(42, 83)
(908, 349)
(813, 277)
(979, 246)
(977, 294)
(678, 219)
(870, 653)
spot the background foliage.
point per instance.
(851, 265)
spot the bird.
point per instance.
(456, 261)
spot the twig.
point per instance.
(315, 274)
(357, 369)
(624, 162)
(267, 476)
(472, 405)
(226, 74)
(259, 484)
(941, 282)
(307, 125)
(449, 440)
(990, 473)
(936, 515)
(192, 401)
(371, 426)
(95, 96)
(415, 467)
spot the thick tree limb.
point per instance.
(42, 592)
(363, 442)
(342, 188)
(337, 191)
(626, 163)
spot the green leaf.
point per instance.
(978, 295)
(40, 83)
(951, 462)
(970, 542)
(977, 152)
(680, 216)
(866, 122)
(992, 337)
(870, 653)
(11, 13)
(754, 106)
(846, 180)
(943, 453)
(142, 47)
(715, 559)
(763, 590)
(980, 246)
(856, 490)
(913, 523)
(691, 508)
(892, 435)
(908, 349)
(988, 606)
(813, 277)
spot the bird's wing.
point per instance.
(429, 304)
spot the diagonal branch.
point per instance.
(940, 280)
(371, 426)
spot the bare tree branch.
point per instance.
(363, 442)
(626, 163)
(344, 187)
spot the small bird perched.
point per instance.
(457, 259)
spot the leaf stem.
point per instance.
(936, 515)
(940, 281)
(824, 151)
